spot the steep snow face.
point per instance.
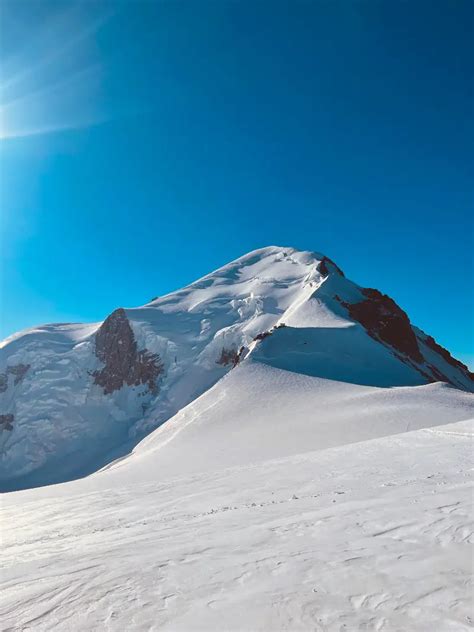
(75, 397)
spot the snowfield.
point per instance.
(257, 412)
(272, 448)
(370, 536)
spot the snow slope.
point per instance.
(282, 450)
(258, 412)
(370, 536)
(76, 397)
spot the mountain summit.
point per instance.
(75, 397)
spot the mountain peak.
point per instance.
(93, 390)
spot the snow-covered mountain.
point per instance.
(306, 464)
(278, 332)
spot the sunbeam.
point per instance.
(54, 83)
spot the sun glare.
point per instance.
(53, 83)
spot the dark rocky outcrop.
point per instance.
(6, 422)
(116, 347)
(230, 356)
(385, 321)
(262, 335)
(430, 342)
(17, 370)
(265, 334)
(327, 265)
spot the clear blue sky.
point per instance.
(146, 143)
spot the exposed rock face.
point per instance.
(6, 422)
(116, 347)
(327, 265)
(444, 353)
(230, 356)
(384, 320)
(263, 335)
(17, 370)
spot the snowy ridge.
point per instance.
(76, 397)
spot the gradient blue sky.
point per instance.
(146, 143)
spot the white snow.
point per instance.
(368, 536)
(65, 427)
(258, 412)
(319, 485)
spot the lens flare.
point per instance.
(54, 83)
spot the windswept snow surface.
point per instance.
(369, 536)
